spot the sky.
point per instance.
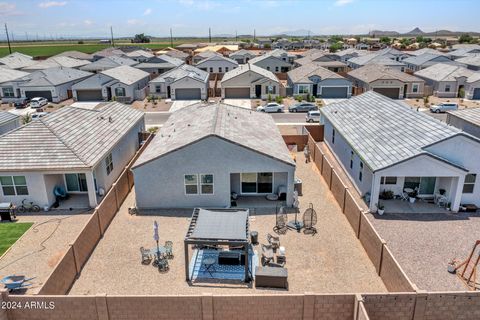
(93, 18)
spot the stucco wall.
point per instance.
(216, 65)
(463, 125)
(272, 63)
(6, 127)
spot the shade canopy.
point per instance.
(221, 225)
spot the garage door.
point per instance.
(89, 95)
(476, 93)
(43, 94)
(393, 93)
(237, 93)
(334, 92)
(188, 94)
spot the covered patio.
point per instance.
(403, 206)
(221, 247)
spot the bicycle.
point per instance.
(28, 207)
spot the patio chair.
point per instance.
(274, 241)
(267, 254)
(162, 264)
(310, 220)
(403, 196)
(169, 249)
(146, 258)
(281, 221)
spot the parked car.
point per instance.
(38, 115)
(38, 102)
(313, 116)
(443, 107)
(302, 107)
(21, 103)
(271, 107)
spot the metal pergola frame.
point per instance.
(213, 242)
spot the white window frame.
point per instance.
(77, 174)
(109, 163)
(14, 186)
(7, 93)
(448, 88)
(120, 88)
(200, 182)
(415, 87)
(465, 183)
(302, 87)
(185, 184)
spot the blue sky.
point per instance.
(193, 17)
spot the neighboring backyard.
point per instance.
(10, 232)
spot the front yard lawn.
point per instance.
(10, 232)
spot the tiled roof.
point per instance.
(425, 50)
(53, 76)
(471, 60)
(182, 71)
(58, 61)
(470, 115)
(17, 60)
(6, 116)
(248, 67)
(126, 74)
(446, 72)
(423, 58)
(218, 58)
(7, 74)
(373, 72)
(108, 63)
(139, 53)
(69, 139)
(375, 58)
(242, 53)
(383, 131)
(237, 125)
(303, 73)
(76, 55)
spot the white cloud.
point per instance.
(204, 5)
(49, 4)
(8, 9)
(340, 3)
(87, 22)
(147, 12)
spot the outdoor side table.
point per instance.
(209, 264)
(271, 277)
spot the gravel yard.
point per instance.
(331, 261)
(423, 244)
(41, 247)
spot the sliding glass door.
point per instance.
(76, 182)
(253, 183)
(424, 185)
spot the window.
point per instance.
(360, 173)
(109, 163)
(388, 180)
(261, 182)
(120, 92)
(303, 89)
(469, 184)
(333, 136)
(270, 89)
(415, 88)
(14, 185)
(158, 88)
(276, 69)
(268, 68)
(211, 69)
(8, 92)
(219, 69)
(402, 69)
(226, 69)
(76, 182)
(447, 88)
(351, 159)
(206, 183)
(191, 184)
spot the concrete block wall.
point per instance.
(87, 240)
(61, 278)
(334, 307)
(371, 242)
(448, 305)
(327, 171)
(108, 208)
(390, 306)
(393, 275)
(352, 212)
(338, 189)
(300, 140)
(318, 158)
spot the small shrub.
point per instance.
(299, 98)
(425, 100)
(278, 99)
(152, 129)
(80, 42)
(26, 118)
(269, 99)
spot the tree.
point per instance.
(140, 38)
(335, 47)
(465, 38)
(419, 39)
(267, 46)
(335, 39)
(385, 40)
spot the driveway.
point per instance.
(179, 104)
(242, 103)
(23, 111)
(330, 101)
(86, 105)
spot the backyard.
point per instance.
(9, 234)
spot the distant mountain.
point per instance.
(415, 32)
(418, 32)
(379, 33)
(296, 33)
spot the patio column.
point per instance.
(246, 263)
(92, 195)
(375, 192)
(456, 190)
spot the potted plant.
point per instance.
(452, 266)
(380, 209)
(412, 196)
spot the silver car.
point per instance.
(443, 107)
(313, 116)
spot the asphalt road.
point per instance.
(159, 118)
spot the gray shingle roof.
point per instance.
(469, 115)
(6, 116)
(373, 72)
(177, 54)
(303, 73)
(53, 77)
(126, 74)
(383, 131)
(375, 58)
(161, 62)
(183, 71)
(463, 52)
(425, 50)
(71, 138)
(7, 74)
(139, 53)
(237, 125)
(246, 68)
(108, 63)
(445, 72)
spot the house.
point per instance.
(373, 58)
(264, 43)
(53, 84)
(159, 64)
(231, 150)
(345, 55)
(178, 54)
(467, 120)
(124, 84)
(318, 81)
(185, 82)
(425, 50)
(76, 55)
(242, 56)
(81, 150)
(384, 145)
(8, 92)
(189, 47)
(387, 81)
(204, 55)
(464, 52)
(274, 61)
(217, 64)
(223, 49)
(108, 63)
(8, 122)
(140, 55)
(323, 59)
(53, 62)
(450, 81)
(17, 61)
(249, 81)
(472, 62)
(426, 60)
(107, 52)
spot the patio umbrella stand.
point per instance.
(295, 224)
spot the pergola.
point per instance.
(212, 227)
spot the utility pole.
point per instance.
(209, 35)
(111, 35)
(8, 39)
(171, 38)
(26, 36)
(236, 36)
(254, 35)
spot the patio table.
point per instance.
(408, 190)
(209, 264)
(157, 252)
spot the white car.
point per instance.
(38, 102)
(38, 115)
(313, 116)
(271, 107)
(443, 107)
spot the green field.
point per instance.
(10, 232)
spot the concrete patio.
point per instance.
(403, 206)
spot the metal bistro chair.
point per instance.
(310, 220)
(281, 221)
(146, 258)
(162, 264)
(274, 241)
(169, 249)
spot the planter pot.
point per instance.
(380, 212)
(451, 268)
(412, 200)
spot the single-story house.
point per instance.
(326, 60)
(230, 150)
(472, 62)
(53, 62)
(178, 54)
(76, 54)
(273, 61)
(217, 64)
(374, 58)
(387, 81)
(108, 52)
(185, 82)
(426, 60)
(464, 52)
(124, 84)
(53, 84)
(467, 120)
(17, 60)
(384, 145)
(159, 64)
(249, 81)
(450, 81)
(140, 55)
(242, 56)
(108, 63)
(8, 122)
(204, 55)
(345, 55)
(425, 50)
(80, 150)
(223, 49)
(7, 76)
(313, 79)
